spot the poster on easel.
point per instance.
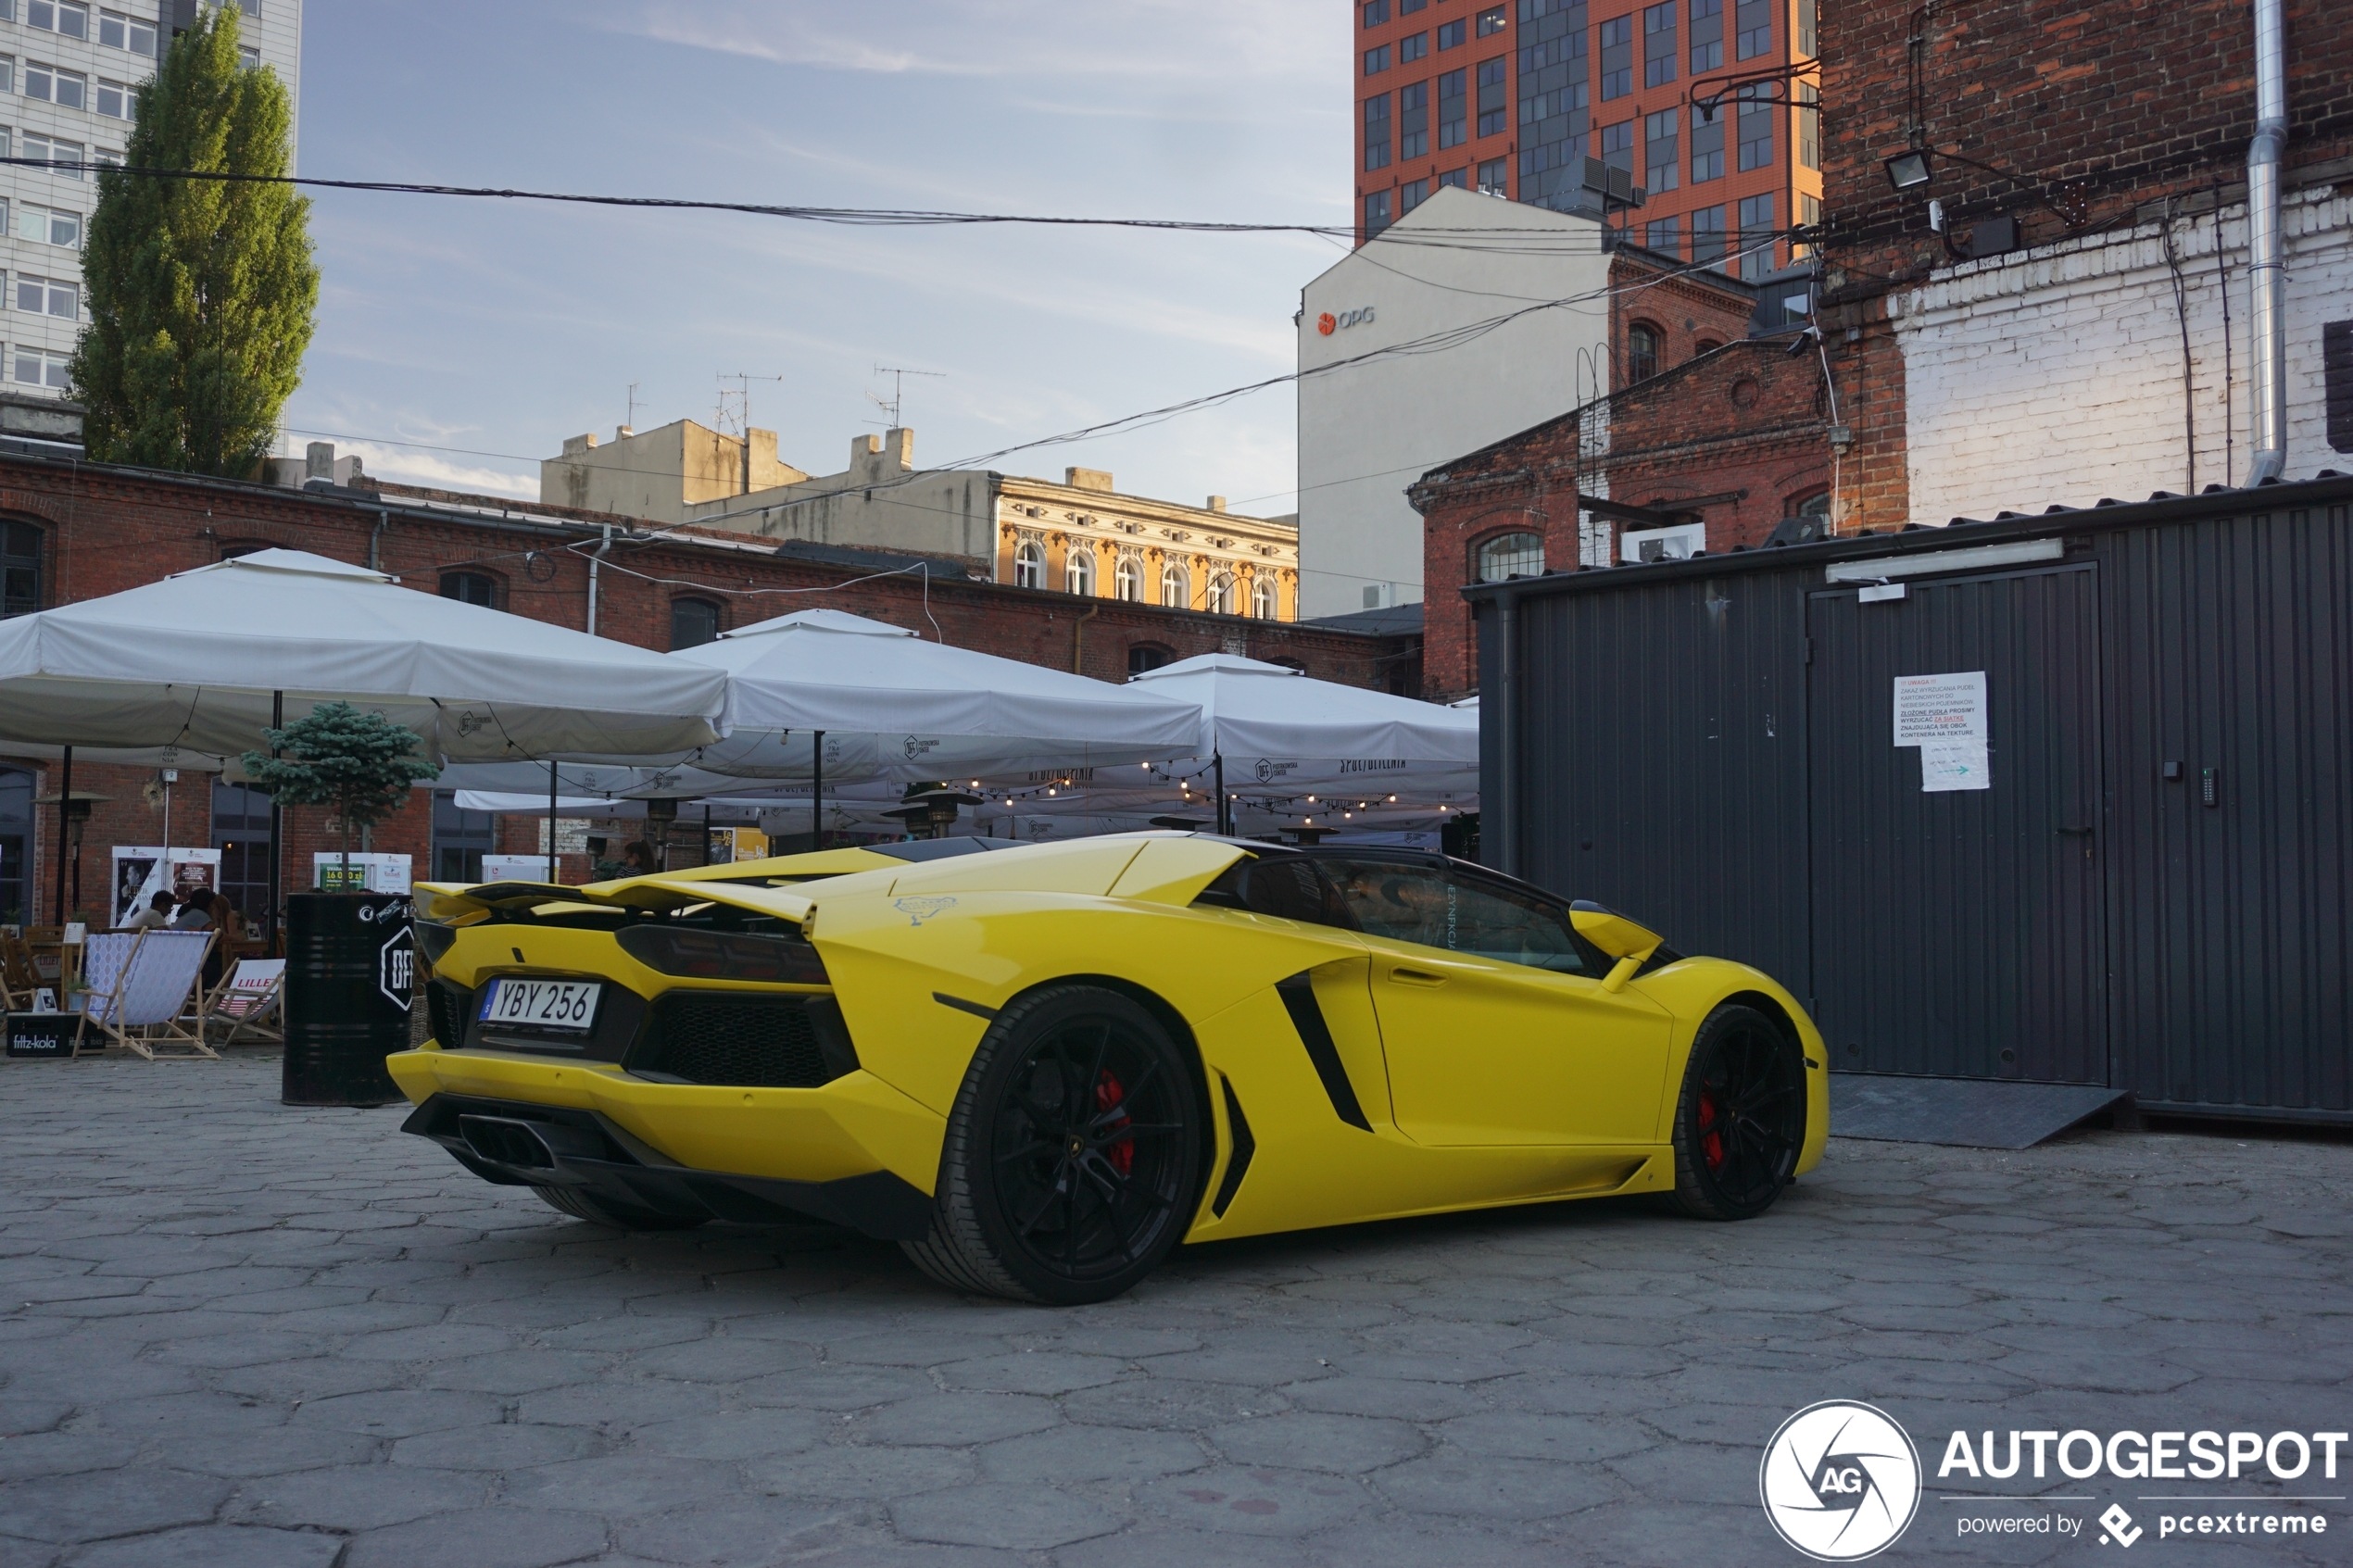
(143, 870)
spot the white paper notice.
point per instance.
(1939, 707)
(1954, 764)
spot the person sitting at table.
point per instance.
(196, 913)
(226, 915)
(154, 917)
(638, 857)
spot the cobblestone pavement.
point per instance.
(241, 1335)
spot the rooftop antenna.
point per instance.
(632, 420)
(739, 400)
(898, 387)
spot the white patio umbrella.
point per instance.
(1269, 730)
(206, 660)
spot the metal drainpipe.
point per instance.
(384, 520)
(1507, 762)
(1078, 637)
(2268, 329)
(595, 560)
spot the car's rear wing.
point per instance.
(644, 894)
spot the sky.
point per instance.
(496, 329)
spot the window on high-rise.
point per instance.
(1175, 587)
(1453, 112)
(1375, 12)
(1809, 125)
(48, 226)
(1375, 213)
(50, 150)
(1411, 194)
(1450, 35)
(1707, 144)
(49, 296)
(1376, 132)
(1265, 603)
(1658, 44)
(1664, 236)
(1642, 352)
(1225, 596)
(1413, 121)
(1707, 235)
(1490, 21)
(1808, 27)
(117, 31)
(1708, 36)
(1554, 87)
(36, 367)
(1809, 213)
(1458, 178)
(1757, 236)
(1407, 8)
(1756, 126)
(248, 60)
(65, 17)
(1412, 47)
(1127, 580)
(251, 9)
(1029, 564)
(1377, 60)
(1661, 157)
(1616, 44)
(1754, 20)
(112, 99)
(1494, 111)
(1494, 177)
(66, 89)
(1078, 571)
(1618, 145)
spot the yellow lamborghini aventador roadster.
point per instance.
(1041, 1067)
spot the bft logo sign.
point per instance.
(396, 967)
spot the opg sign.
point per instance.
(1327, 323)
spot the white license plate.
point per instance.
(542, 1004)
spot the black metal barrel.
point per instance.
(349, 963)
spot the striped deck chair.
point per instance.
(140, 983)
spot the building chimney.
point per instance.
(1086, 479)
(1217, 502)
(623, 433)
(319, 461)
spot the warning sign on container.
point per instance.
(1931, 708)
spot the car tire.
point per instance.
(1740, 1120)
(1072, 1158)
(621, 1216)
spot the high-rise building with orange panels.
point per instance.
(1511, 97)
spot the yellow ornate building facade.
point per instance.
(1084, 537)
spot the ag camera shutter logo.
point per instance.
(1840, 1481)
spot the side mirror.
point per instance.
(1630, 944)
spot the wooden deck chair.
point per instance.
(18, 981)
(250, 1003)
(140, 984)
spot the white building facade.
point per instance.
(69, 71)
(2056, 374)
(1433, 290)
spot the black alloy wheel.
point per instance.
(1742, 1118)
(621, 1216)
(1073, 1154)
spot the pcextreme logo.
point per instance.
(1840, 1481)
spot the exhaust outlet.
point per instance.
(504, 1141)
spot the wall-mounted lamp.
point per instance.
(1907, 171)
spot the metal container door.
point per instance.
(1958, 915)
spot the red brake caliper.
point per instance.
(1711, 1136)
(1121, 1154)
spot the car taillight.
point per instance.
(723, 954)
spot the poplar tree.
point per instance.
(201, 291)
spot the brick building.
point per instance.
(72, 531)
(1710, 456)
(2080, 327)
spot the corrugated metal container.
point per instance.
(2150, 889)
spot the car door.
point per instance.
(1494, 1021)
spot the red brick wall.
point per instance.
(2101, 112)
(106, 530)
(1735, 439)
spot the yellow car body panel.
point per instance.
(1473, 1082)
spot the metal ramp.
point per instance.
(1970, 1112)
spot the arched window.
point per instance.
(1642, 352)
(1704, 346)
(1127, 580)
(1816, 506)
(1145, 655)
(1265, 602)
(1175, 587)
(692, 624)
(1511, 554)
(1029, 564)
(1078, 576)
(1224, 598)
(470, 587)
(20, 569)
